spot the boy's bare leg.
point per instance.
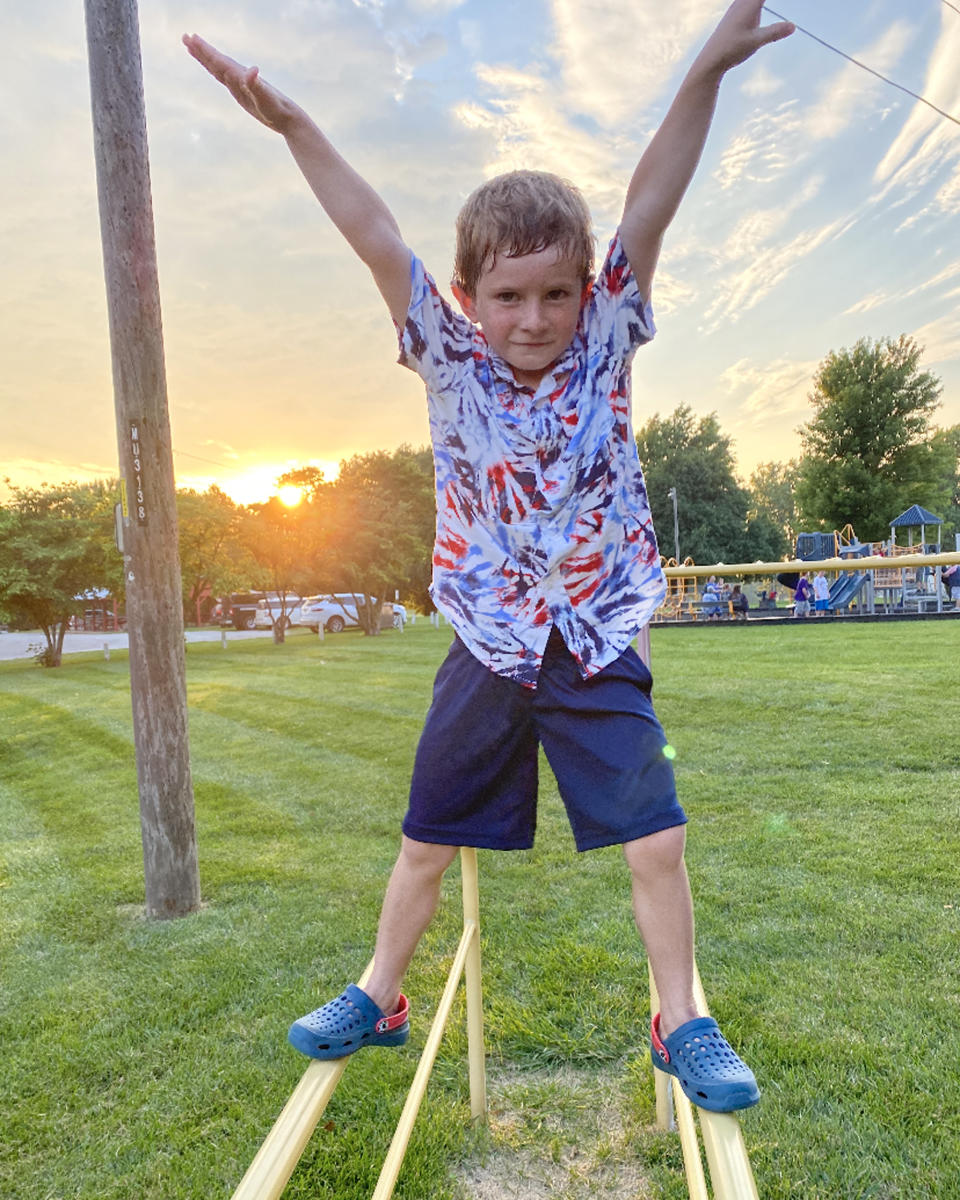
(664, 914)
(408, 907)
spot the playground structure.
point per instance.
(873, 575)
(268, 1174)
(681, 590)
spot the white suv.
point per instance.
(268, 610)
(335, 612)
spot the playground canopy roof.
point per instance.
(914, 516)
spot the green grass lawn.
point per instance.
(820, 767)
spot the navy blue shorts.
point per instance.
(475, 775)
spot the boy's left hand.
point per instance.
(740, 35)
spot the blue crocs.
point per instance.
(709, 1071)
(347, 1024)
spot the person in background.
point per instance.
(821, 593)
(801, 597)
(739, 602)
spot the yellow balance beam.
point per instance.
(730, 1172)
(277, 1158)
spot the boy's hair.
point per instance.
(520, 213)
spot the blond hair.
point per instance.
(521, 212)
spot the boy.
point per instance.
(801, 597)
(821, 593)
(545, 561)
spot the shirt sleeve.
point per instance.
(616, 316)
(435, 341)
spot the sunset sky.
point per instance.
(827, 208)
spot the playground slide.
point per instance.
(846, 589)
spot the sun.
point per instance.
(257, 484)
(290, 495)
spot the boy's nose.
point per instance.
(534, 315)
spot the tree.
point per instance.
(56, 547)
(211, 558)
(870, 451)
(281, 543)
(309, 479)
(772, 495)
(377, 521)
(693, 456)
(948, 444)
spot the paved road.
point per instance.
(24, 645)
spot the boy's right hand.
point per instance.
(259, 98)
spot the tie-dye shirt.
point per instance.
(542, 513)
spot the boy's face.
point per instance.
(528, 308)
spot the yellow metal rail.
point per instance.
(870, 563)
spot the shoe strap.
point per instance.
(387, 1024)
(656, 1041)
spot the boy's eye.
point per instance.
(506, 297)
(558, 294)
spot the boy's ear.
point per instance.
(465, 301)
(587, 285)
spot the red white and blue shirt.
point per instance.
(542, 513)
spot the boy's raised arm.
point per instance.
(669, 162)
(350, 202)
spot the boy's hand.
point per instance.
(740, 35)
(255, 95)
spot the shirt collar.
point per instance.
(503, 371)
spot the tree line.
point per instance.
(869, 451)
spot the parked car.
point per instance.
(239, 609)
(268, 610)
(337, 611)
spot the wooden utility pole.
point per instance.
(149, 525)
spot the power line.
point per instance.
(856, 62)
(949, 5)
(184, 454)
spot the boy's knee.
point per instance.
(428, 858)
(657, 852)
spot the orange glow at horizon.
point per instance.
(258, 483)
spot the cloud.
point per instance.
(876, 299)
(940, 339)
(928, 147)
(764, 150)
(773, 389)
(843, 97)
(529, 128)
(650, 42)
(756, 257)
(762, 272)
(436, 7)
(771, 143)
(761, 82)
(867, 304)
